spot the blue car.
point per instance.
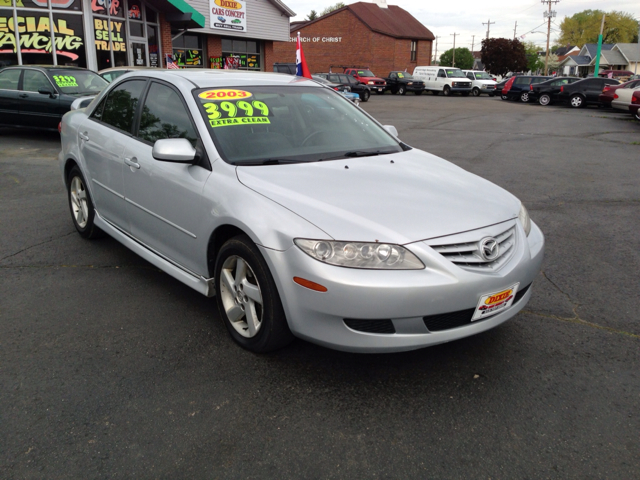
(222, 19)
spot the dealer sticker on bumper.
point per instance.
(495, 303)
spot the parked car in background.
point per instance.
(481, 82)
(353, 83)
(445, 80)
(544, 92)
(622, 99)
(110, 74)
(38, 96)
(606, 97)
(402, 82)
(366, 76)
(498, 90)
(584, 92)
(622, 75)
(634, 108)
(343, 90)
(518, 87)
(290, 68)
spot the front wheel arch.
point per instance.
(218, 238)
(70, 163)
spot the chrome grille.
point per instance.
(467, 255)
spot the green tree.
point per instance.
(584, 27)
(464, 58)
(534, 61)
(501, 55)
(312, 15)
(332, 8)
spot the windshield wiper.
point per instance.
(270, 161)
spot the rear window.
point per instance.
(522, 81)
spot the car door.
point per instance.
(355, 85)
(10, 97)
(37, 109)
(102, 139)
(164, 199)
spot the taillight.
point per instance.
(636, 98)
(615, 96)
(561, 89)
(60, 127)
(606, 89)
(531, 87)
(337, 89)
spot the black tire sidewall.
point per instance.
(274, 332)
(365, 96)
(402, 90)
(476, 92)
(446, 91)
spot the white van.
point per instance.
(445, 80)
(481, 82)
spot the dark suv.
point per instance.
(544, 92)
(348, 81)
(584, 92)
(519, 86)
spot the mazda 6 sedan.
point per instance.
(297, 210)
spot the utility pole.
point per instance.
(515, 30)
(636, 71)
(488, 24)
(454, 49)
(435, 57)
(548, 15)
(473, 42)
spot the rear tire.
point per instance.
(577, 101)
(524, 97)
(81, 206)
(544, 100)
(248, 299)
(637, 115)
(504, 97)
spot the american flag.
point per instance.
(171, 64)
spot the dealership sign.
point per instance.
(228, 15)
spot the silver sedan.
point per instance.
(299, 212)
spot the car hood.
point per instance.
(398, 198)
(366, 79)
(486, 82)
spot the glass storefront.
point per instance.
(48, 33)
(242, 54)
(188, 50)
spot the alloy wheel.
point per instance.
(79, 206)
(524, 97)
(241, 296)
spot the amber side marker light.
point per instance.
(309, 284)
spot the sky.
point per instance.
(467, 16)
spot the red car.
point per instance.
(634, 108)
(366, 76)
(606, 97)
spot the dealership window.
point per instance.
(188, 51)
(126, 33)
(42, 29)
(242, 54)
(414, 50)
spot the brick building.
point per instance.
(374, 35)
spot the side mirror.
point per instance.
(392, 130)
(178, 150)
(46, 91)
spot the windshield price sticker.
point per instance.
(64, 81)
(224, 94)
(239, 112)
(400, 75)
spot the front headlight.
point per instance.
(371, 83)
(523, 216)
(378, 256)
(410, 83)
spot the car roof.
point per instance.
(49, 67)
(119, 69)
(224, 78)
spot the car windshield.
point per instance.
(455, 74)
(289, 124)
(482, 76)
(366, 73)
(75, 82)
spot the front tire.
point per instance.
(81, 206)
(402, 90)
(364, 96)
(476, 92)
(577, 101)
(446, 91)
(248, 299)
(544, 99)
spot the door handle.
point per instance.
(132, 162)
(83, 136)
(23, 95)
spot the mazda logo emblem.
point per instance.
(489, 249)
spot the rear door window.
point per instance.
(121, 105)
(9, 79)
(164, 115)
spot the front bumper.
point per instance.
(403, 297)
(461, 89)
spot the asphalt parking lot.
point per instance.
(109, 368)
